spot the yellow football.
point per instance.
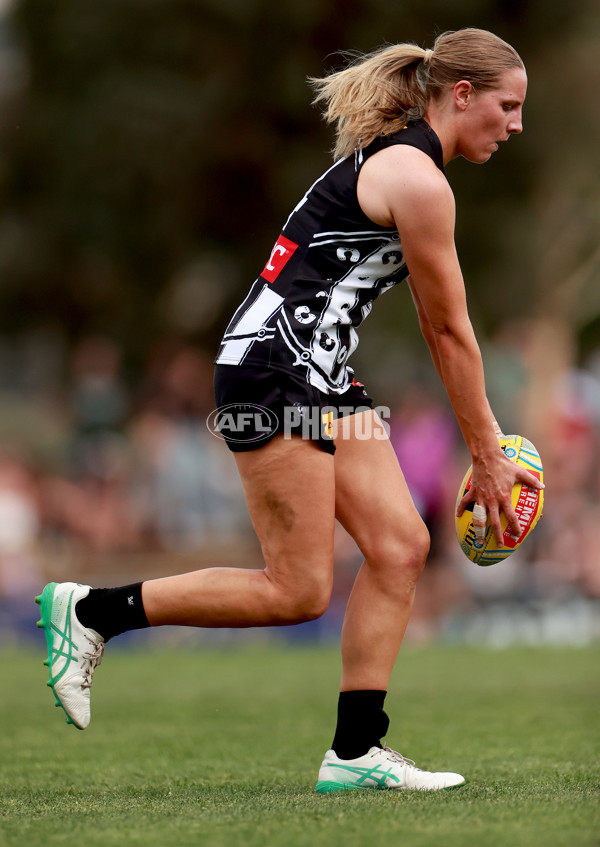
(527, 503)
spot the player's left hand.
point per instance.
(491, 488)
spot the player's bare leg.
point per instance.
(289, 487)
(290, 492)
(374, 505)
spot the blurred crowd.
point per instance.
(105, 479)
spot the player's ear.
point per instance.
(462, 92)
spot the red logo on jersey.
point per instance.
(281, 253)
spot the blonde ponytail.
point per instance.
(380, 91)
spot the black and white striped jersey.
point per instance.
(325, 270)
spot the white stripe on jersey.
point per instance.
(376, 232)
(252, 322)
(348, 238)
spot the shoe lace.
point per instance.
(394, 756)
(90, 662)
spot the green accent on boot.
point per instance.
(326, 787)
(363, 773)
(45, 601)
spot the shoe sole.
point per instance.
(325, 787)
(45, 601)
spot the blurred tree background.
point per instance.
(151, 150)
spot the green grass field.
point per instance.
(222, 747)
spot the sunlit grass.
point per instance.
(223, 748)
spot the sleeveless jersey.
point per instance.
(327, 267)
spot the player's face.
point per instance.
(492, 116)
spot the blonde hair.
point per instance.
(395, 83)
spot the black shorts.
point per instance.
(254, 405)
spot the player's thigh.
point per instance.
(373, 501)
(290, 492)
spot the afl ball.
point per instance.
(527, 503)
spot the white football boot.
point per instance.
(74, 652)
(380, 768)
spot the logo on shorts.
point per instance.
(327, 423)
(242, 423)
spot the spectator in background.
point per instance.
(568, 555)
(184, 483)
(19, 526)
(424, 437)
(20, 523)
(91, 503)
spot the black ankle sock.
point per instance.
(111, 611)
(361, 723)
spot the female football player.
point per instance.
(382, 214)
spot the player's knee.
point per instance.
(402, 553)
(417, 551)
(306, 604)
(312, 609)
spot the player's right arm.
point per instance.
(401, 186)
(429, 337)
